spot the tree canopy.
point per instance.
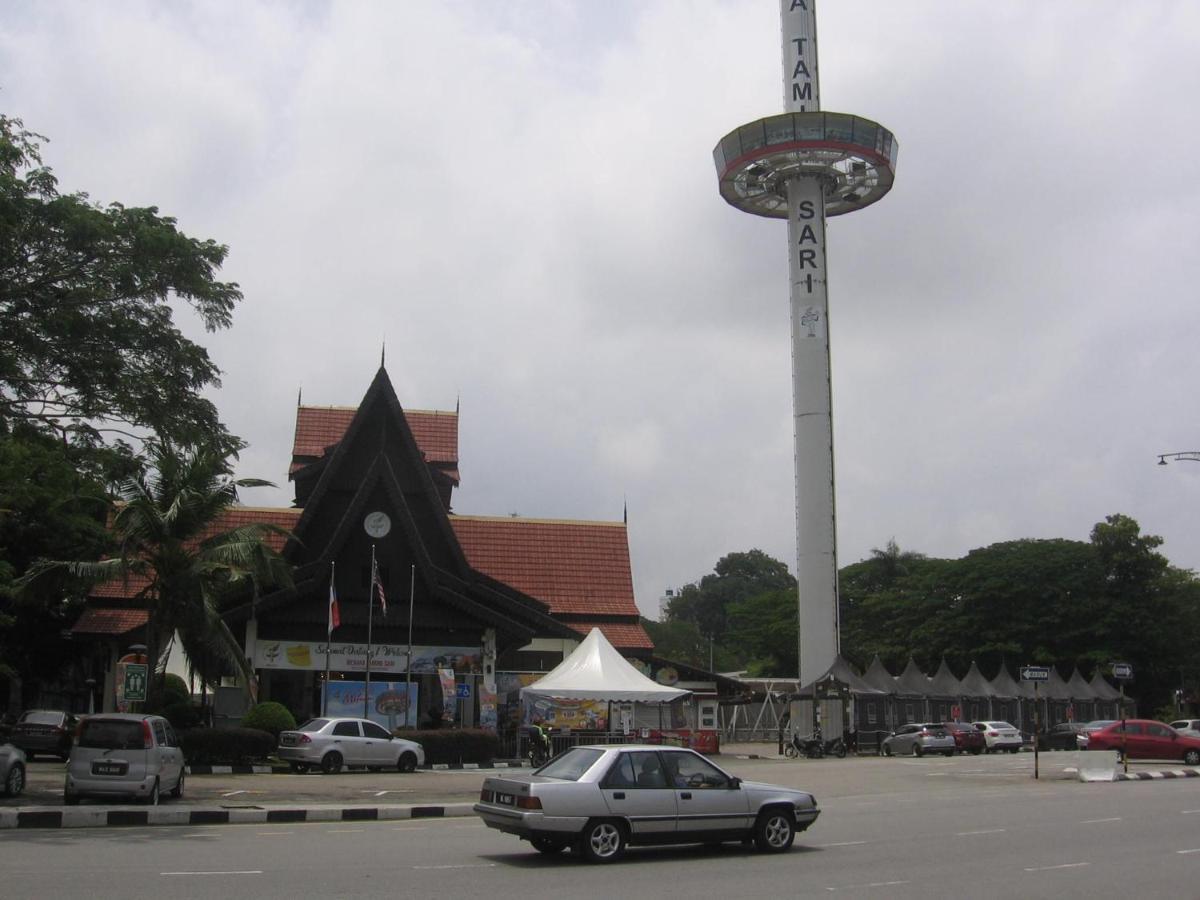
(89, 343)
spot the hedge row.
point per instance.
(226, 746)
(455, 745)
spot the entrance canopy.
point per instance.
(596, 671)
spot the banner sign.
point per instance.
(449, 695)
(390, 705)
(487, 708)
(352, 657)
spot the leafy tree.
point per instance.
(679, 641)
(168, 544)
(765, 627)
(89, 343)
(735, 577)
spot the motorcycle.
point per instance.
(814, 748)
(538, 753)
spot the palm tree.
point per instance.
(167, 524)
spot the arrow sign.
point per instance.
(1122, 671)
(1035, 673)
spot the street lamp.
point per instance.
(1193, 455)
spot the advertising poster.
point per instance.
(488, 718)
(449, 695)
(386, 659)
(391, 701)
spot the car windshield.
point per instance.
(111, 734)
(41, 717)
(571, 765)
(313, 725)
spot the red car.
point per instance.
(1146, 739)
(967, 738)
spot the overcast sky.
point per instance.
(520, 199)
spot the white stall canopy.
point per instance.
(596, 671)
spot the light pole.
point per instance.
(1193, 455)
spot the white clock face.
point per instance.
(377, 524)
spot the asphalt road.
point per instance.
(930, 828)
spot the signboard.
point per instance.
(1122, 671)
(135, 682)
(390, 705)
(462, 691)
(1035, 673)
(349, 656)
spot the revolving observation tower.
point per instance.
(802, 166)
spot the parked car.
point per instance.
(124, 756)
(967, 738)
(597, 800)
(1146, 739)
(1063, 736)
(919, 739)
(1081, 739)
(45, 731)
(12, 770)
(1190, 727)
(1000, 736)
(331, 743)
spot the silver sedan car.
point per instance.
(599, 799)
(330, 744)
(919, 739)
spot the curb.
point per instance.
(100, 817)
(1157, 776)
(286, 770)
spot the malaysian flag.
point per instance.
(335, 616)
(379, 590)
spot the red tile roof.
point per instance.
(622, 635)
(575, 567)
(320, 427)
(234, 517)
(110, 621)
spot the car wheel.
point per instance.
(407, 762)
(886, 750)
(549, 846)
(916, 750)
(1192, 757)
(331, 763)
(15, 782)
(774, 831)
(602, 841)
(177, 791)
(299, 768)
(152, 797)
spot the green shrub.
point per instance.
(271, 717)
(182, 715)
(169, 690)
(455, 745)
(226, 746)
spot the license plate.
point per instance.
(108, 768)
(505, 799)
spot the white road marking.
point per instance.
(395, 791)
(1189, 812)
(345, 830)
(242, 872)
(233, 793)
(872, 884)
(1097, 821)
(1188, 851)
(985, 831)
(1063, 866)
(843, 844)
(273, 833)
(462, 866)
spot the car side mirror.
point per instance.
(735, 783)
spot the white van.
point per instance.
(124, 756)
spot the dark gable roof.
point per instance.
(878, 677)
(944, 684)
(975, 685)
(912, 682)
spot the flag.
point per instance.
(335, 616)
(379, 588)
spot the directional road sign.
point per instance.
(1122, 671)
(1035, 673)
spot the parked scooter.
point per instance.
(814, 748)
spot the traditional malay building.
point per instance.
(458, 611)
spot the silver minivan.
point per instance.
(124, 756)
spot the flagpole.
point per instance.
(370, 617)
(329, 634)
(412, 590)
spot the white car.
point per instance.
(1000, 736)
(331, 744)
(1190, 727)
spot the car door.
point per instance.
(903, 741)
(1160, 742)
(348, 741)
(166, 758)
(378, 745)
(706, 798)
(636, 788)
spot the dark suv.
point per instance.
(45, 731)
(967, 738)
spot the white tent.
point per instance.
(596, 671)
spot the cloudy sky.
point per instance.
(519, 199)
